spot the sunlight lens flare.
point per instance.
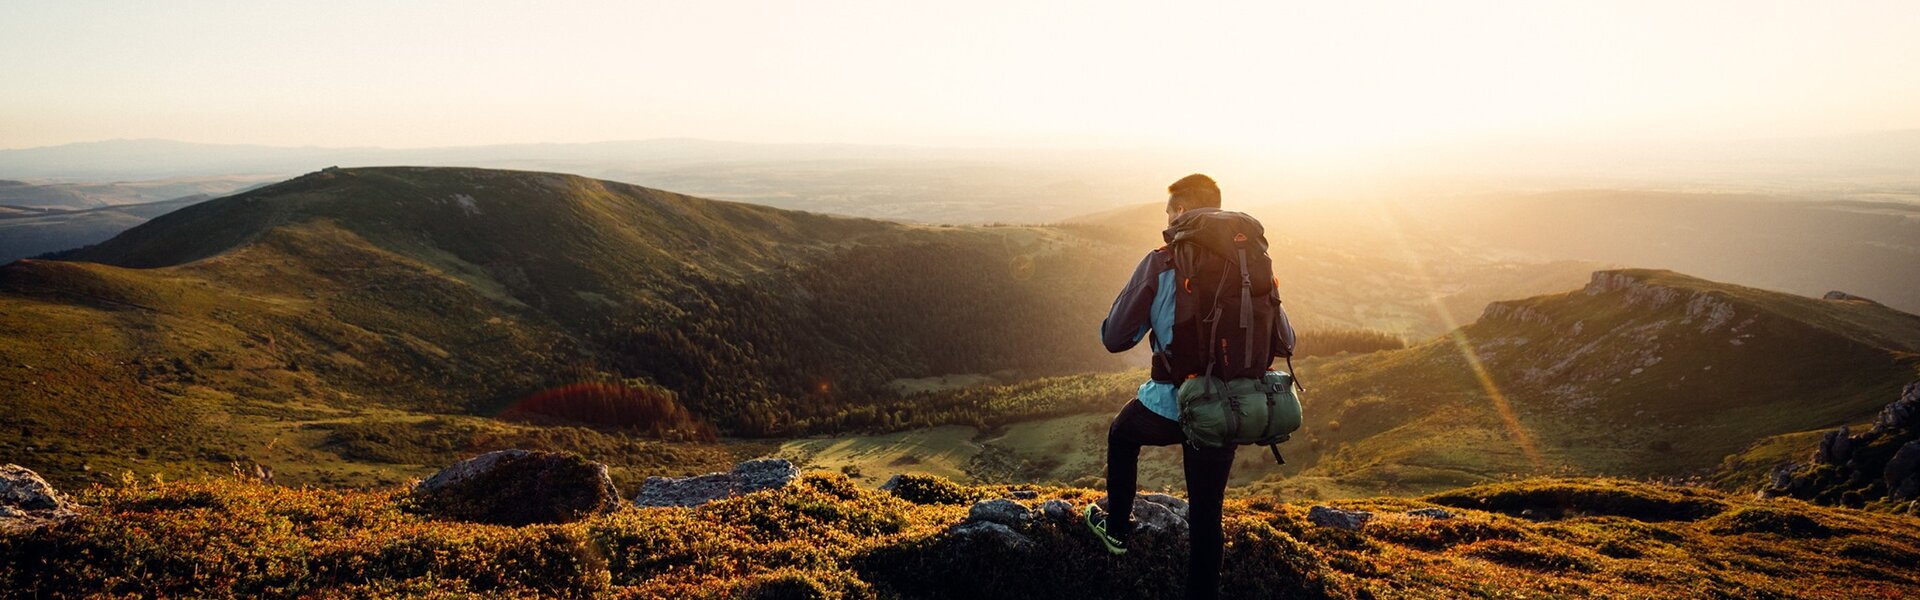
(1510, 420)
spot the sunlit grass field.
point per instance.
(827, 537)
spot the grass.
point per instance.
(826, 537)
(1601, 383)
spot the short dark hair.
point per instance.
(1194, 191)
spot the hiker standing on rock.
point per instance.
(1207, 301)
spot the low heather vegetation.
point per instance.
(825, 537)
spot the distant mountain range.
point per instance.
(904, 183)
(31, 232)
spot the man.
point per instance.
(1147, 308)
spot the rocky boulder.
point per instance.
(1835, 448)
(995, 525)
(1000, 510)
(745, 478)
(1327, 516)
(1902, 476)
(518, 487)
(1863, 469)
(979, 534)
(1901, 414)
(23, 489)
(1059, 511)
(1175, 504)
(1839, 296)
(1156, 516)
(27, 501)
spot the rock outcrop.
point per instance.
(1902, 475)
(1710, 310)
(745, 478)
(1004, 523)
(1901, 414)
(1879, 467)
(1002, 511)
(1835, 447)
(1839, 296)
(1327, 516)
(1057, 510)
(27, 501)
(518, 487)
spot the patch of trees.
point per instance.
(629, 406)
(1328, 342)
(813, 348)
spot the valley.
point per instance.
(360, 327)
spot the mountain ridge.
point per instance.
(1643, 373)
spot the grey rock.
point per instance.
(1435, 513)
(1327, 516)
(994, 535)
(1058, 511)
(1023, 494)
(1903, 472)
(1152, 518)
(745, 478)
(1178, 506)
(765, 474)
(1901, 414)
(891, 484)
(470, 468)
(1835, 448)
(1000, 510)
(22, 488)
(518, 487)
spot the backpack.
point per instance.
(1228, 327)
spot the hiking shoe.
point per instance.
(1097, 521)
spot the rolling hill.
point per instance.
(298, 323)
(428, 291)
(1641, 373)
(352, 326)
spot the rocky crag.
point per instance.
(1878, 468)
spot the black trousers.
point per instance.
(1206, 470)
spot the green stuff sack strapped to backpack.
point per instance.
(1216, 413)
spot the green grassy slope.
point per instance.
(220, 331)
(825, 537)
(1642, 373)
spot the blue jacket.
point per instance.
(1144, 309)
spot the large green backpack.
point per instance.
(1216, 413)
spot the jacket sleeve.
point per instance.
(1131, 316)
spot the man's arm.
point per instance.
(1131, 316)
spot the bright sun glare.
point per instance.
(1277, 77)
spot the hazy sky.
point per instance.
(1291, 76)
